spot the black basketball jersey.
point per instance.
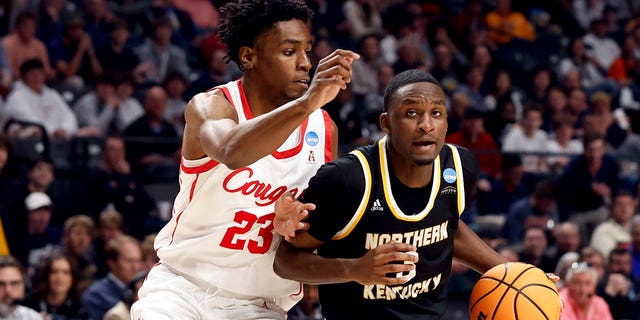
(366, 214)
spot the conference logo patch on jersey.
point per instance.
(377, 206)
(449, 175)
(311, 157)
(311, 138)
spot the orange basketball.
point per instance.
(514, 290)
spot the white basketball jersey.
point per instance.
(221, 232)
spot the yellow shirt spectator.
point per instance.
(505, 24)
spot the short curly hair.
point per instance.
(244, 20)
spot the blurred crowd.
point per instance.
(92, 94)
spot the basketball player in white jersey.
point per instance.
(245, 144)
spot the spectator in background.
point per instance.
(577, 107)
(537, 211)
(362, 17)
(73, 56)
(619, 287)
(41, 237)
(528, 137)
(175, 85)
(149, 255)
(145, 155)
(505, 190)
(116, 56)
(215, 73)
(159, 56)
(578, 295)
(581, 60)
(586, 11)
(77, 239)
(31, 100)
(445, 68)
(595, 259)
(617, 229)
(21, 45)
(501, 91)
(601, 119)
(540, 85)
(455, 113)
(365, 70)
(410, 56)
(566, 238)
(122, 310)
(505, 24)
(97, 18)
(13, 279)
(471, 88)
(109, 227)
(56, 294)
(534, 246)
(562, 142)
(474, 137)
(601, 49)
(587, 183)
(124, 260)
(555, 106)
(104, 108)
(115, 184)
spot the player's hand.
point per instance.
(373, 267)
(289, 215)
(332, 74)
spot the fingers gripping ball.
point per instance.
(516, 291)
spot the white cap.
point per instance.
(37, 200)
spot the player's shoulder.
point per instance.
(210, 104)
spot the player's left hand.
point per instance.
(289, 215)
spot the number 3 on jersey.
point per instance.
(231, 241)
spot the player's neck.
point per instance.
(260, 100)
(408, 172)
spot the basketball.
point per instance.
(514, 290)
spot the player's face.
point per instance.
(416, 122)
(282, 62)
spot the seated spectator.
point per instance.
(365, 70)
(109, 227)
(619, 287)
(506, 190)
(505, 24)
(215, 73)
(540, 85)
(578, 295)
(175, 86)
(445, 68)
(595, 259)
(566, 238)
(77, 239)
(31, 100)
(122, 310)
(116, 185)
(501, 90)
(586, 183)
(97, 16)
(562, 142)
(12, 277)
(528, 137)
(602, 48)
(534, 246)
(591, 74)
(73, 56)
(363, 17)
(104, 109)
(41, 237)
(602, 119)
(149, 255)
(617, 229)
(455, 114)
(563, 265)
(147, 155)
(116, 56)
(474, 137)
(539, 210)
(124, 261)
(21, 45)
(160, 56)
(471, 88)
(56, 294)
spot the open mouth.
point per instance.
(423, 143)
(303, 81)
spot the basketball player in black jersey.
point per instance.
(371, 211)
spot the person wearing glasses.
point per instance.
(12, 289)
(578, 296)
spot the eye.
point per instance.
(412, 113)
(308, 53)
(436, 113)
(289, 52)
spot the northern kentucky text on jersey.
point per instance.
(239, 181)
(412, 290)
(418, 238)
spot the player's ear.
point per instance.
(384, 122)
(247, 57)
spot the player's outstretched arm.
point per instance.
(473, 251)
(295, 261)
(212, 122)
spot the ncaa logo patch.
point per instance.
(449, 175)
(311, 138)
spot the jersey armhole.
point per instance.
(363, 202)
(457, 163)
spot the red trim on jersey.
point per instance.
(299, 291)
(328, 136)
(193, 187)
(245, 104)
(176, 226)
(295, 150)
(199, 169)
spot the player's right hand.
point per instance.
(373, 267)
(289, 215)
(332, 74)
